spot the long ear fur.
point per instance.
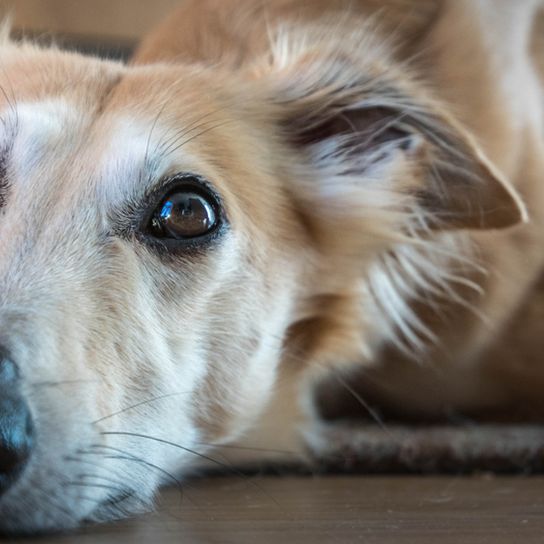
(382, 171)
(373, 125)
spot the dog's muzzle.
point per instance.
(16, 428)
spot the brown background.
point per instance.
(124, 19)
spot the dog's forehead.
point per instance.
(66, 143)
(114, 140)
(132, 156)
(38, 133)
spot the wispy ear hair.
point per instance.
(347, 103)
(383, 172)
(6, 26)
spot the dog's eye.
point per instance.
(187, 212)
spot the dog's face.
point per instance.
(166, 233)
(145, 258)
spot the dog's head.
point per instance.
(168, 232)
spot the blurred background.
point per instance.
(110, 26)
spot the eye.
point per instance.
(189, 210)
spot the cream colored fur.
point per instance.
(380, 165)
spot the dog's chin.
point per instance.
(59, 493)
(24, 524)
(33, 512)
(35, 516)
(29, 510)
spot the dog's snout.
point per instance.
(16, 428)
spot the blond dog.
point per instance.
(267, 191)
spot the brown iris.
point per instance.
(183, 215)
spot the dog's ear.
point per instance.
(379, 138)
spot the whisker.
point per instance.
(127, 456)
(168, 443)
(142, 403)
(295, 354)
(82, 477)
(216, 462)
(150, 135)
(373, 413)
(130, 457)
(163, 147)
(198, 135)
(106, 469)
(71, 458)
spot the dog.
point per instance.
(267, 193)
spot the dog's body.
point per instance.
(359, 161)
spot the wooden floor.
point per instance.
(372, 510)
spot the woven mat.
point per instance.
(435, 449)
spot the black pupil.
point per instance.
(185, 214)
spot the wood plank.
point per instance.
(342, 509)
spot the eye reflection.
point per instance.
(184, 214)
(166, 210)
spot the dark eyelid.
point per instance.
(130, 223)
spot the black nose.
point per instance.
(16, 429)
